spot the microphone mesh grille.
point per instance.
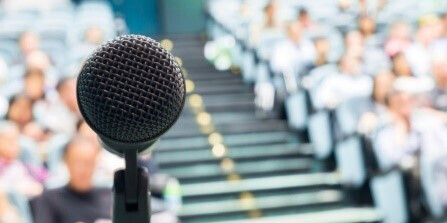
(131, 89)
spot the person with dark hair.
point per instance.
(401, 66)
(20, 110)
(367, 27)
(272, 23)
(87, 203)
(305, 19)
(34, 84)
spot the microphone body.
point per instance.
(130, 91)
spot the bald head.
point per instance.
(81, 156)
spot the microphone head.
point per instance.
(130, 91)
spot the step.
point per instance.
(237, 152)
(224, 127)
(289, 201)
(265, 126)
(245, 169)
(208, 74)
(234, 96)
(260, 184)
(224, 82)
(244, 139)
(219, 118)
(218, 89)
(341, 215)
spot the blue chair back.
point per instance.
(297, 110)
(350, 161)
(389, 197)
(320, 133)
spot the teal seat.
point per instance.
(388, 190)
(348, 114)
(320, 133)
(430, 166)
(350, 161)
(248, 66)
(389, 196)
(297, 110)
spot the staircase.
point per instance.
(237, 168)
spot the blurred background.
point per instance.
(325, 111)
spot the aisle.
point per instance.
(237, 168)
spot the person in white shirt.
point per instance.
(419, 53)
(345, 84)
(295, 53)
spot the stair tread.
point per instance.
(236, 152)
(261, 203)
(341, 215)
(250, 167)
(262, 183)
(229, 140)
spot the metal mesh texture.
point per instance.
(131, 89)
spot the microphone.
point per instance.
(130, 91)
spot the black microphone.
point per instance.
(130, 91)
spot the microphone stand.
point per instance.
(130, 192)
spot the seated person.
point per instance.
(61, 113)
(367, 27)
(93, 37)
(26, 179)
(39, 60)
(29, 42)
(397, 139)
(20, 111)
(79, 200)
(401, 66)
(322, 48)
(297, 53)
(439, 94)
(271, 23)
(383, 84)
(399, 39)
(419, 53)
(345, 84)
